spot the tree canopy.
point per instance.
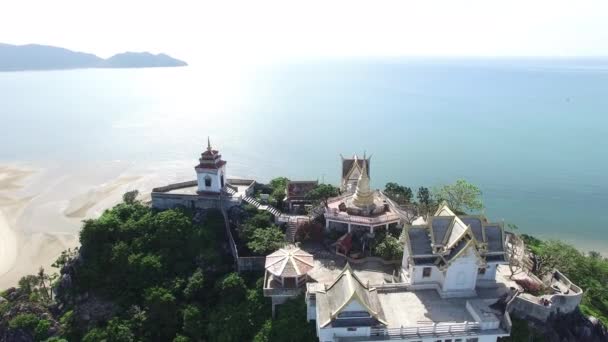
(461, 196)
(322, 192)
(398, 193)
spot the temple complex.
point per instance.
(363, 210)
(445, 287)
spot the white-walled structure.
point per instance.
(447, 262)
(211, 171)
(453, 254)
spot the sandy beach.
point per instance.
(42, 208)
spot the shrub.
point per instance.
(389, 248)
(309, 232)
(266, 240)
(530, 286)
(26, 321)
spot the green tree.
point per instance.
(290, 321)
(279, 186)
(424, 196)
(266, 240)
(193, 322)
(398, 193)
(162, 310)
(232, 288)
(194, 288)
(389, 248)
(322, 193)
(130, 196)
(460, 196)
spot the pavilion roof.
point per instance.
(289, 262)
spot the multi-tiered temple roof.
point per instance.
(445, 236)
(210, 158)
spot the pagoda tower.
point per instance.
(211, 171)
(364, 196)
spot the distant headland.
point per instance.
(43, 57)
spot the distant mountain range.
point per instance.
(43, 57)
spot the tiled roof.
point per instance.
(440, 226)
(476, 226)
(494, 235)
(347, 288)
(289, 262)
(347, 165)
(419, 240)
(300, 189)
(458, 233)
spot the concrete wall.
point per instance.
(528, 306)
(330, 333)
(163, 201)
(251, 263)
(490, 273)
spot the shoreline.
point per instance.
(8, 246)
(41, 218)
(42, 208)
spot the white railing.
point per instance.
(459, 329)
(383, 219)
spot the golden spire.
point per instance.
(364, 197)
(208, 144)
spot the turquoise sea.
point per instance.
(531, 133)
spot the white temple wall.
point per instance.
(214, 175)
(354, 306)
(329, 333)
(417, 275)
(490, 273)
(405, 260)
(461, 275)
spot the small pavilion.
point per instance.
(364, 209)
(289, 266)
(286, 274)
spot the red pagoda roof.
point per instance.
(210, 158)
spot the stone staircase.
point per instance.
(230, 190)
(274, 211)
(290, 233)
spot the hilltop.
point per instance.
(44, 57)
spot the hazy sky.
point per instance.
(216, 30)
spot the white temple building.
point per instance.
(210, 189)
(444, 290)
(211, 171)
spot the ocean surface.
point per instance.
(531, 133)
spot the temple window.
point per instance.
(207, 181)
(481, 271)
(426, 272)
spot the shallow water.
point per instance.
(531, 133)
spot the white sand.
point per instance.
(41, 209)
(8, 246)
